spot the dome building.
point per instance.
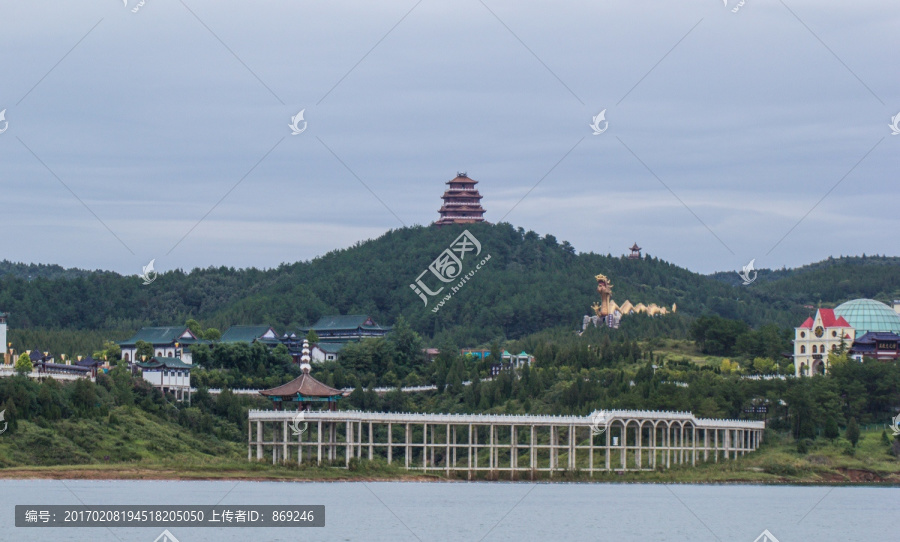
(868, 315)
(867, 328)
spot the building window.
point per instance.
(802, 334)
(126, 356)
(815, 350)
(159, 353)
(802, 348)
(834, 333)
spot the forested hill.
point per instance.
(530, 283)
(829, 282)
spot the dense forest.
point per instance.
(531, 283)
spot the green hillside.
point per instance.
(530, 283)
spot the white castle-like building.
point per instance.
(850, 327)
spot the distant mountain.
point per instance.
(528, 284)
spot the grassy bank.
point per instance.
(777, 462)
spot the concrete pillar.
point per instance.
(513, 449)
(319, 443)
(491, 464)
(716, 445)
(425, 446)
(408, 442)
(571, 447)
(469, 447)
(371, 442)
(348, 449)
(608, 447)
(447, 452)
(274, 444)
(390, 449)
(259, 440)
(476, 448)
(455, 446)
(531, 457)
(639, 440)
(284, 440)
(591, 452)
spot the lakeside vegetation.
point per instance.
(530, 298)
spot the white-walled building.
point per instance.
(168, 342)
(168, 375)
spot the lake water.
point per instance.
(390, 511)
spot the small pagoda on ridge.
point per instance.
(462, 202)
(304, 390)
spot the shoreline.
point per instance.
(849, 477)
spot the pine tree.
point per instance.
(853, 432)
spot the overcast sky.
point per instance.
(725, 129)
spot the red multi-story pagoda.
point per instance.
(462, 202)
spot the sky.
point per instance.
(161, 129)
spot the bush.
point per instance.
(805, 445)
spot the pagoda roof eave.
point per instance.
(304, 385)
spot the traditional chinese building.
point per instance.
(166, 341)
(880, 345)
(304, 390)
(462, 202)
(168, 375)
(635, 252)
(350, 327)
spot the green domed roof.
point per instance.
(869, 315)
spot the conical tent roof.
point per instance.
(304, 385)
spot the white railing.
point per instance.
(405, 389)
(9, 371)
(601, 418)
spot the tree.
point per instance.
(407, 346)
(195, 327)
(831, 429)
(764, 366)
(23, 364)
(853, 432)
(312, 336)
(728, 366)
(143, 349)
(212, 334)
(110, 352)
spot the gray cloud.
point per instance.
(750, 120)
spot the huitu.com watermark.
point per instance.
(746, 273)
(149, 274)
(448, 268)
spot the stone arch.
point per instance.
(818, 367)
